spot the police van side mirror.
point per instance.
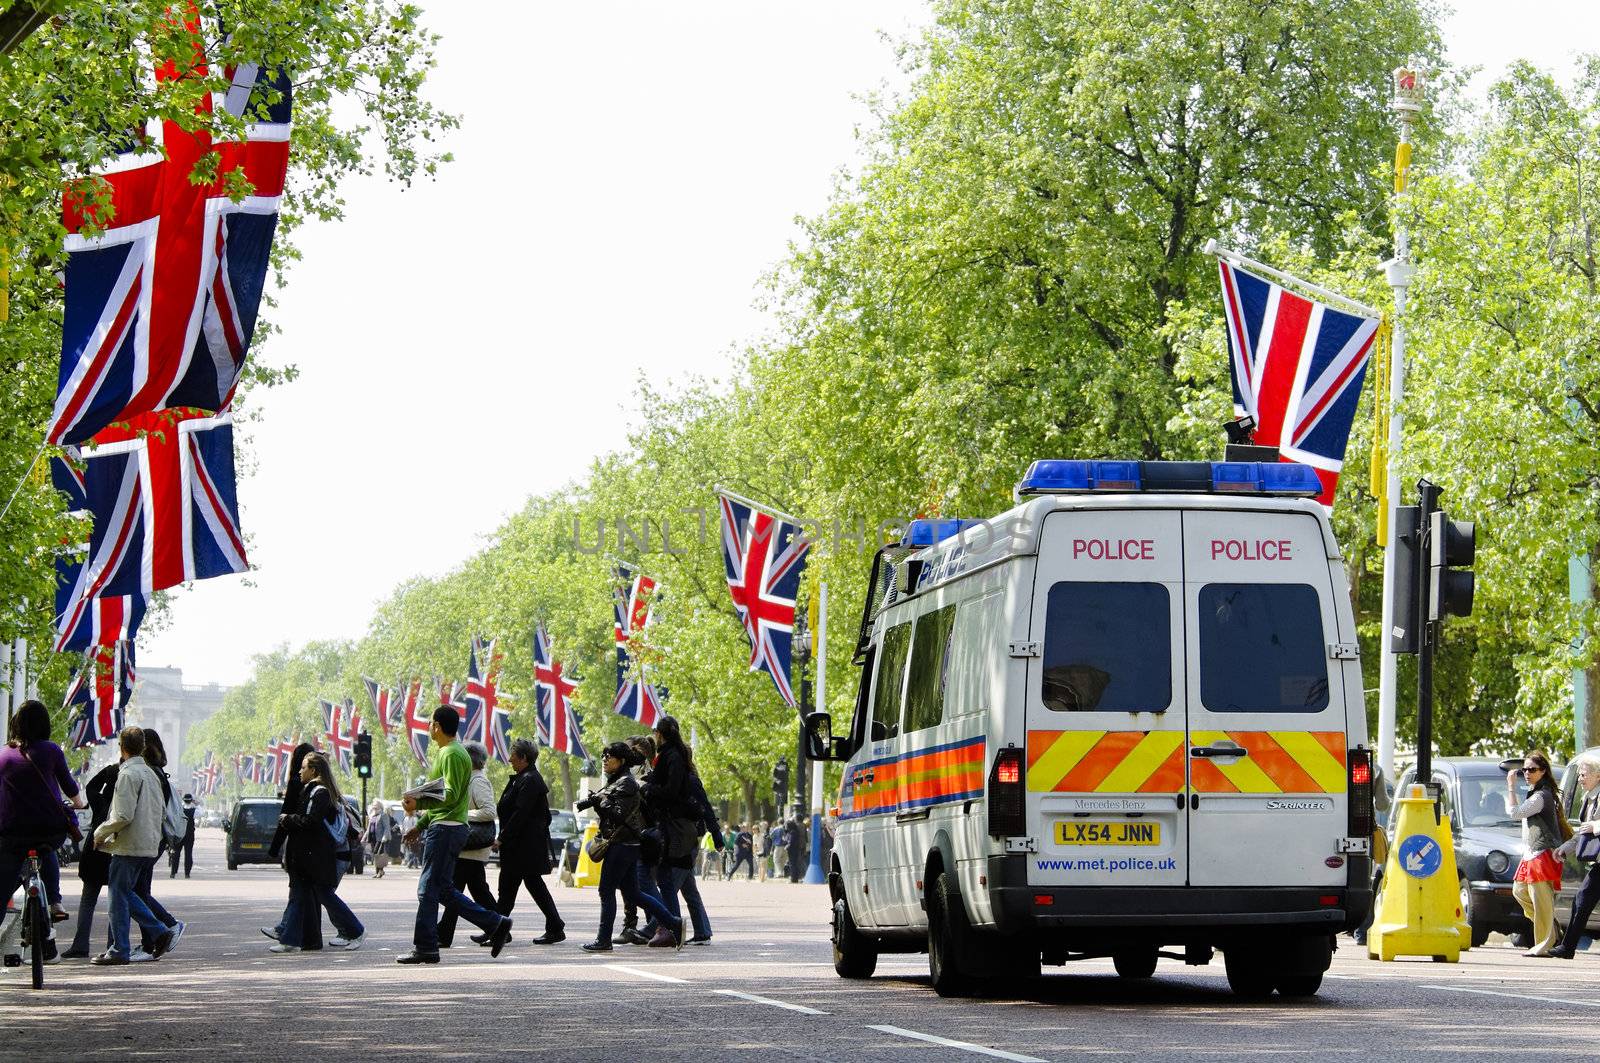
(820, 743)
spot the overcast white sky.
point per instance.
(626, 172)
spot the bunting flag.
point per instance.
(99, 694)
(286, 749)
(1297, 366)
(559, 726)
(637, 699)
(486, 720)
(383, 700)
(85, 620)
(763, 556)
(418, 726)
(161, 303)
(330, 723)
(211, 772)
(341, 741)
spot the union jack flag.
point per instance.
(385, 702)
(764, 556)
(486, 721)
(286, 748)
(417, 725)
(1297, 367)
(559, 726)
(161, 304)
(207, 777)
(165, 509)
(84, 620)
(100, 691)
(341, 744)
(66, 476)
(637, 699)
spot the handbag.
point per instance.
(480, 835)
(1587, 847)
(596, 849)
(74, 831)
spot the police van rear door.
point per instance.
(1105, 701)
(1267, 734)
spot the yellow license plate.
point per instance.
(1090, 832)
(250, 845)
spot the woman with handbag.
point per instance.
(316, 843)
(33, 778)
(1585, 844)
(1539, 875)
(616, 846)
(470, 874)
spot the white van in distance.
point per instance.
(1122, 719)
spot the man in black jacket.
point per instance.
(524, 842)
(185, 848)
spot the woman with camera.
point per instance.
(1539, 874)
(617, 845)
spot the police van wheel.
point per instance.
(1135, 964)
(946, 923)
(1299, 985)
(854, 954)
(232, 866)
(1248, 974)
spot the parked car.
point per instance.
(563, 835)
(250, 827)
(1488, 841)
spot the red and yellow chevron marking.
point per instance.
(1153, 762)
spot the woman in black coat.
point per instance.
(94, 867)
(316, 861)
(524, 842)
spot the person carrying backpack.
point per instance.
(317, 854)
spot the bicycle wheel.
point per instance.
(37, 926)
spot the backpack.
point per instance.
(174, 824)
(339, 827)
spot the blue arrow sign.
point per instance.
(1420, 856)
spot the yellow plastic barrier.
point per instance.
(1421, 911)
(588, 873)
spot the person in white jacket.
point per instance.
(131, 835)
(471, 866)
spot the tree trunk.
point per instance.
(566, 781)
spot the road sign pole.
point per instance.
(814, 873)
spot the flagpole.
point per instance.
(1406, 104)
(814, 873)
(753, 504)
(1214, 248)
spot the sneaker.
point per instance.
(348, 944)
(481, 939)
(550, 937)
(500, 938)
(271, 932)
(110, 959)
(630, 936)
(141, 956)
(418, 957)
(177, 932)
(596, 946)
(163, 944)
(280, 948)
(75, 954)
(700, 939)
(664, 939)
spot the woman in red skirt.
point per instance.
(1539, 875)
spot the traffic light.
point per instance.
(1405, 627)
(363, 753)
(780, 782)
(1451, 547)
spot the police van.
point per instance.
(1122, 719)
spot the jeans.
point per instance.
(86, 905)
(126, 904)
(619, 871)
(306, 899)
(1582, 907)
(511, 879)
(746, 859)
(441, 845)
(146, 877)
(681, 880)
(469, 876)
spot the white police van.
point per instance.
(1121, 718)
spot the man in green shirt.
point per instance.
(443, 827)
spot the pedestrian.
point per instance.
(155, 755)
(410, 839)
(131, 836)
(293, 797)
(379, 827)
(743, 852)
(764, 832)
(316, 854)
(472, 865)
(797, 849)
(617, 804)
(94, 865)
(687, 819)
(185, 848)
(1539, 874)
(1588, 826)
(650, 836)
(34, 781)
(524, 842)
(442, 829)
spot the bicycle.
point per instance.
(35, 917)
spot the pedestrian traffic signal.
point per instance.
(363, 753)
(1405, 624)
(1452, 545)
(780, 782)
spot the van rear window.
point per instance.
(1261, 648)
(1108, 648)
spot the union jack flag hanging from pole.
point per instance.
(637, 699)
(84, 621)
(341, 743)
(417, 724)
(486, 720)
(161, 304)
(100, 690)
(763, 556)
(559, 726)
(384, 702)
(1297, 367)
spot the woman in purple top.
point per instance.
(33, 780)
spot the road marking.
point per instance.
(647, 974)
(963, 1045)
(1515, 996)
(801, 1008)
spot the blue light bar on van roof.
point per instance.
(927, 532)
(1282, 479)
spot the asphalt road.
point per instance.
(764, 988)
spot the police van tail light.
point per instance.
(1360, 761)
(1007, 816)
